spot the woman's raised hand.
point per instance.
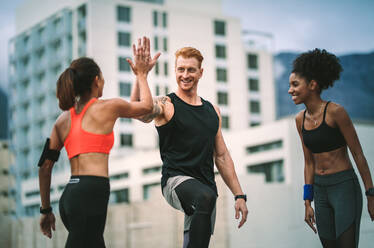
(143, 62)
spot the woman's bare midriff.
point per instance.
(90, 164)
(332, 162)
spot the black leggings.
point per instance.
(346, 240)
(197, 200)
(83, 209)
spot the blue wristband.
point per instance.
(308, 192)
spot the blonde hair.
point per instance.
(189, 52)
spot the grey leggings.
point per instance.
(338, 205)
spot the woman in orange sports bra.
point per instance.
(85, 129)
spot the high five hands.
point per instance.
(143, 62)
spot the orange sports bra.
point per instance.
(80, 141)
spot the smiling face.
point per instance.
(299, 88)
(187, 73)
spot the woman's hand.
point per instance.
(143, 62)
(371, 207)
(309, 217)
(47, 224)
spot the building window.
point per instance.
(253, 84)
(254, 107)
(123, 14)
(221, 74)
(265, 147)
(166, 66)
(151, 170)
(165, 44)
(166, 90)
(157, 68)
(119, 196)
(32, 193)
(155, 18)
(157, 90)
(124, 89)
(219, 28)
(273, 170)
(124, 39)
(225, 122)
(123, 64)
(82, 11)
(164, 20)
(254, 123)
(222, 98)
(119, 176)
(126, 140)
(221, 51)
(147, 190)
(125, 120)
(155, 42)
(252, 61)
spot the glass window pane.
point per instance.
(123, 14)
(222, 98)
(124, 89)
(166, 68)
(126, 140)
(254, 107)
(253, 84)
(123, 65)
(164, 20)
(273, 170)
(221, 74)
(155, 43)
(165, 44)
(157, 68)
(252, 61)
(220, 51)
(124, 39)
(225, 122)
(219, 28)
(155, 18)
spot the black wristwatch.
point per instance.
(45, 210)
(241, 197)
(369, 192)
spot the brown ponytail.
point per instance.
(76, 81)
(65, 89)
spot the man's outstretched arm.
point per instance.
(226, 168)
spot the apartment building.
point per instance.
(46, 43)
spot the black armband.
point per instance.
(48, 154)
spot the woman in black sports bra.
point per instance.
(326, 131)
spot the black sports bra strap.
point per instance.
(304, 118)
(324, 113)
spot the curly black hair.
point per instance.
(318, 65)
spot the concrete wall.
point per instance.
(151, 223)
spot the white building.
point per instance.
(7, 181)
(49, 34)
(270, 165)
(7, 190)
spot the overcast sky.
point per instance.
(339, 26)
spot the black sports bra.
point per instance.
(323, 138)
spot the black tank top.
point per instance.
(187, 142)
(323, 138)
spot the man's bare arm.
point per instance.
(158, 109)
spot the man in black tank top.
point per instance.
(190, 137)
